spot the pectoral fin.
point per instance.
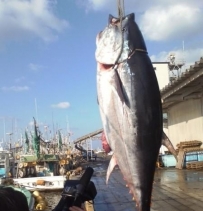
(111, 166)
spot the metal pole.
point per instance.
(36, 109)
(4, 130)
(91, 146)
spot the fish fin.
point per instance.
(118, 88)
(111, 166)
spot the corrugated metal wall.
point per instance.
(162, 74)
(185, 121)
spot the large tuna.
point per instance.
(165, 141)
(130, 105)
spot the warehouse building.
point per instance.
(182, 100)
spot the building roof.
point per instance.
(160, 62)
(188, 86)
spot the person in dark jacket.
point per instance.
(74, 208)
(12, 200)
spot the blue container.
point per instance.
(191, 156)
(169, 160)
(2, 172)
(40, 174)
(200, 156)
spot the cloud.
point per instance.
(15, 88)
(35, 67)
(172, 22)
(159, 20)
(93, 4)
(20, 79)
(188, 57)
(164, 25)
(29, 18)
(130, 6)
(61, 105)
(111, 5)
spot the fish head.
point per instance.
(119, 40)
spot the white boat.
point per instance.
(42, 183)
(45, 183)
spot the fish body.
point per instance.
(130, 105)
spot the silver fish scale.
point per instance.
(110, 53)
(130, 107)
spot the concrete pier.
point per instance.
(173, 190)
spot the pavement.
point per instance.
(173, 190)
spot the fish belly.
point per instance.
(131, 113)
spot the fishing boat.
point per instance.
(39, 173)
(45, 183)
(6, 162)
(31, 173)
(42, 166)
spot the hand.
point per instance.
(73, 208)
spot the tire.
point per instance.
(62, 171)
(21, 172)
(20, 165)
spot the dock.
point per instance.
(173, 190)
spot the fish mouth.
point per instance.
(105, 67)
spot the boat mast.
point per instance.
(36, 110)
(4, 130)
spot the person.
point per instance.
(11, 199)
(74, 208)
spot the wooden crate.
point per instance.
(194, 165)
(186, 144)
(193, 149)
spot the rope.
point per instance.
(120, 16)
(120, 8)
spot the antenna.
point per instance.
(1, 148)
(53, 126)
(174, 67)
(183, 51)
(183, 46)
(36, 109)
(4, 129)
(68, 126)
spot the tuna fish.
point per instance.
(130, 105)
(165, 141)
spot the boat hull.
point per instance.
(41, 183)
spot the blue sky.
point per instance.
(47, 56)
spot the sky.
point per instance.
(47, 57)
